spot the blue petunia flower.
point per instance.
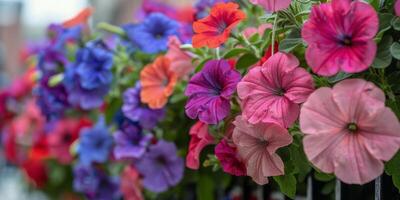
(151, 36)
(89, 79)
(94, 144)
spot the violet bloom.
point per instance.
(210, 91)
(95, 184)
(130, 141)
(52, 101)
(161, 167)
(134, 110)
(340, 37)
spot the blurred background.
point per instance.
(23, 23)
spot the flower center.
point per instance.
(221, 27)
(346, 40)
(280, 92)
(67, 138)
(352, 127)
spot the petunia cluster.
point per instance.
(253, 90)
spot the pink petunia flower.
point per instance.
(199, 139)
(257, 145)
(131, 186)
(340, 37)
(397, 8)
(273, 92)
(272, 5)
(230, 160)
(349, 131)
(250, 31)
(181, 61)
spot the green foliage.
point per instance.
(392, 168)
(383, 57)
(246, 60)
(205, 187)
(292, 40)
(287, 184)
(395, 50)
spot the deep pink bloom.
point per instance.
(64, 134)
(131, 186)
(397, 8)
(257, 145)
(340, 37)
(230, 160)
(272, 5)
(349, 131)
(210, 91)
(199, 138)
(181, 61)
(273, 92)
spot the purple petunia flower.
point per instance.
(95, 184)
(95, 144)
(134, 110)
(210, 91)
(130, 141)
(89, 79)
(160, 166)
(52, 101)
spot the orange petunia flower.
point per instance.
(158, 82)
(214, 30)
(81, 18)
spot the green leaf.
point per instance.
(323, 176)
(375, 4)
(205, 188)
(396, 23)
(385, 22)
(246, 60)
(383, 57)
(235, 52)
(287, 184)
(395, 50)
(292, 40)
(338, 77)
(392, 168)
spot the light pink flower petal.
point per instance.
(354, 95)
(181, 62)
(272, 5)
(277, 137)
(353, 163)
(320, 114)
(320, 148)
(382, 141)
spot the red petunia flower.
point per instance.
(214, 30)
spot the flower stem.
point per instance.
(273, 34)
(218, 53)
(111, 28)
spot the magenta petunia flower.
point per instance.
(397, 8)
(340, 37)
(229, 158)
(199, 138)
(210, 91)
(257, 145)
(272, 5)
(349, 131)
(273, 92)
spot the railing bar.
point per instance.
(338, 190)
(309, 188)
(378, 188)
